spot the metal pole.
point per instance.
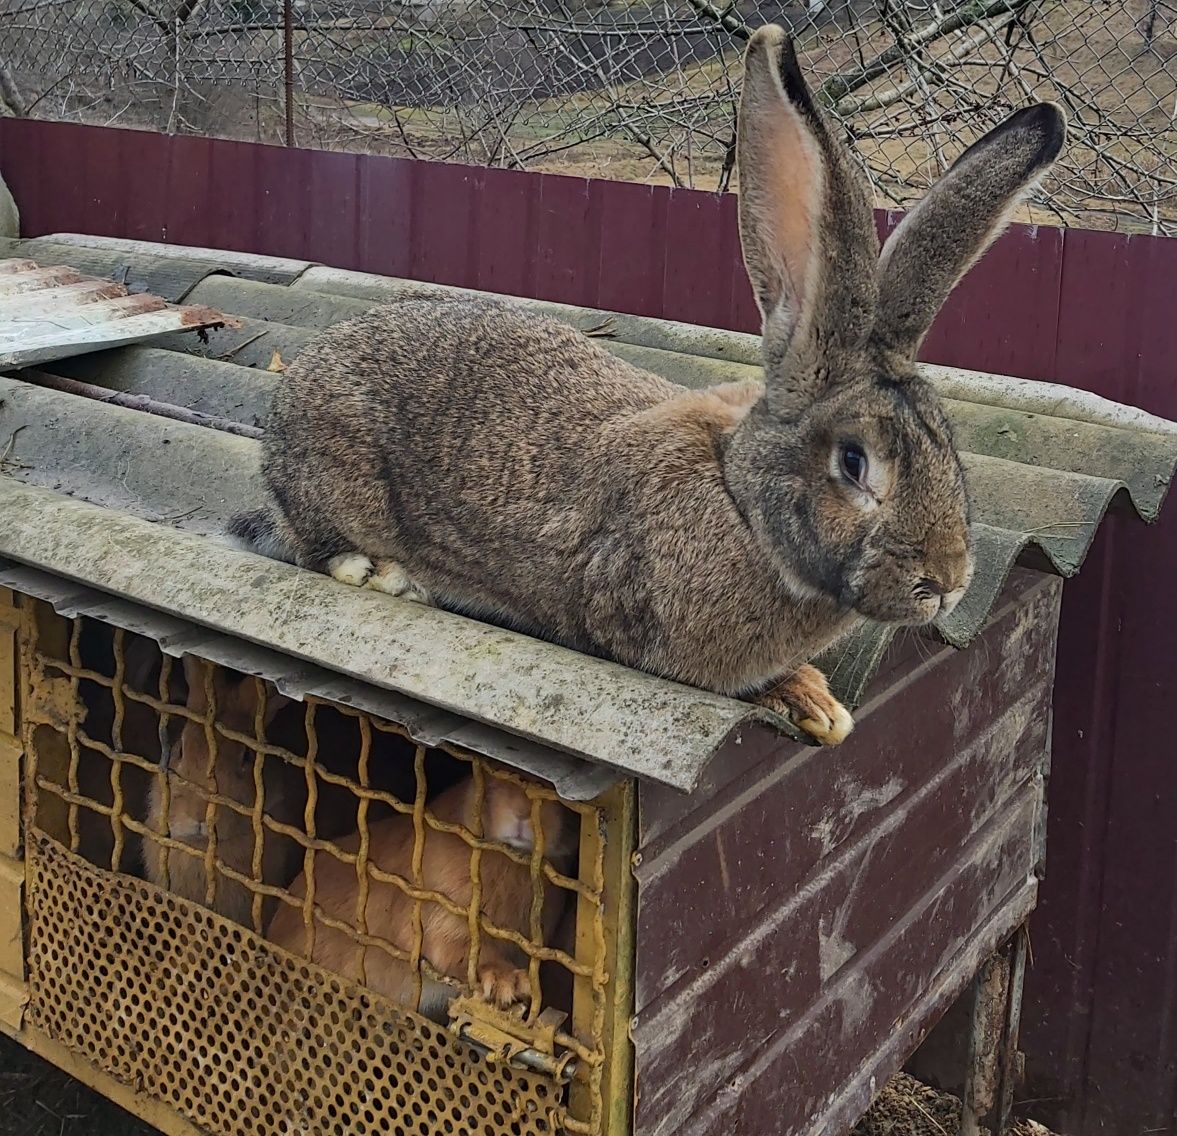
(288, 72)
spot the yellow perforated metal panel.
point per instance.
(239, 1036)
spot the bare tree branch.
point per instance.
(727, 18)
(839, 86)
(12, 101)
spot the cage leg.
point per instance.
(994, 1061)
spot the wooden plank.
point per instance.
(767, 896)
(746, 768)
(892, 815)
(12, 882)
(14, 996)
(763, 1075)
(11, 749)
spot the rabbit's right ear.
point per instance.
(959, 218)
(196, 676)
(806, 226)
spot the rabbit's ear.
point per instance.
(961, 216)
(195, 676)
(806, 226)
(275, 702)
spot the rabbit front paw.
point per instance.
(389, 577)
(350, 568)
(805, 699)
(503, 984)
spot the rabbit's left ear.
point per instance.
(806, 226)
(961, 216)
(274, 703)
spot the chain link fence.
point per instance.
(629, 89)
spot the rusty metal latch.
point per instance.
(505, 1035)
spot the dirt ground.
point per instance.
(37, 1099)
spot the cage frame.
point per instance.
(31, 700)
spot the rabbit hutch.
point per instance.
(284, 856)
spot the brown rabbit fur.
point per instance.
(285, 788)
(232, 776)
(506, 897)
(507, 467)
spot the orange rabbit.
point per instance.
(505, 902)
(232, 776)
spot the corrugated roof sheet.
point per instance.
(53, 312)
(1044, 464)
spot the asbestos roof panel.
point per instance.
(1044, 464)
(53, 312)
(573, 779)
(583, 707)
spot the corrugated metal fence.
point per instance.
(1094, 310)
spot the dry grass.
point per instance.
(906, 1107)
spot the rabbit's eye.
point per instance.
(854, 463)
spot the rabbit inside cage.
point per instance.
(417, 873)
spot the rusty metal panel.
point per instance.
(55, 312)
(796, 908)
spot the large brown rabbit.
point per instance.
(505, 466)
(506, 889)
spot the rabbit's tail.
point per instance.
(265, 532)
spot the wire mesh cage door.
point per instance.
(289, 917)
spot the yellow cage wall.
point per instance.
(197, 1021)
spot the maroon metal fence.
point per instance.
(1093, 310)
